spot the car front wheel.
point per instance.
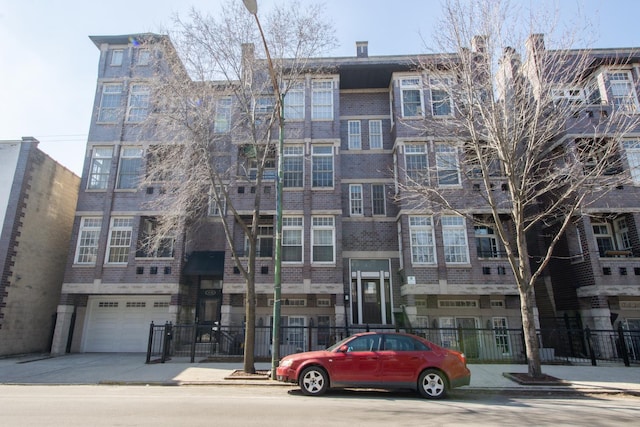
(313, 381)
(432, 384)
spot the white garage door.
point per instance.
(121, 324)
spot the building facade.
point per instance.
(355, 253)
(37, 206)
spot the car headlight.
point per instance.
(286, 363)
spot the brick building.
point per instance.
(37, 205)
(358, 255)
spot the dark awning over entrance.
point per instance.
(205, 263)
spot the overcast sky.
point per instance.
(48, 65)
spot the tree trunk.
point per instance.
(527, 304)
(250, 328)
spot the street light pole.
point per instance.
(252, 7)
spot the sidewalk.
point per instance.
(130, 369)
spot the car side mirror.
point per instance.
(343, 348)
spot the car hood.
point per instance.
(308, 355)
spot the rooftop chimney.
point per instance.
(362, 49)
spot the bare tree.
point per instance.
(215, 118)
(522, 133)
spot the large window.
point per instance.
(217, 201)
(322, 99)
(322, 239)
(294, 102)
(164, 248)
(222, 119)
(378, 199)
(612, 236)
(454, 236)
(264, 242)
(110, 103)
(422, 240)
(486, 242)
(138, 108)
(355, 200)
(264, 105)
(501, 335)
(375, 134)
(447, 165)
(88, 237)
(119, 240)
(100, 167)
(293, 167)
(322, 166)
(632, 150)
(441, 102)
(355, 135)
(416, 164)
(623, 95)
(411, 93)
(129, 167)
(292, 239)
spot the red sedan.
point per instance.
(378, 360)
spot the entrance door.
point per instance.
(371, 302)
(208, 314)
(371, 298)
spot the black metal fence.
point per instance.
(567, 346)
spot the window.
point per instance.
(129, 167)
(292, 167)
(441, 102)
(222, 119)
(447, 165)
(486, 242)
(604, 238)
(264, 242)
(264, 105)
(217, 202)
(501, 335)
(621, 230)
(322, 239)
(416, 164)
(138, 103)
(355, 199)
(623, 95)
(402, 343)
(322, 166)
(144, 56)
(375, 134)
(116, 57)
(568, 96)
(88, 237)
(100, 167)
(612, 237)
(632, 149)
(378, 199)
(148, 226)
(322, 99)
(454, 236)
(110, 103)
(365, 343)
(269, 171)
(411, 93)
(422, 241)
(294, 102)
(355, 135)
(292, 239)
(119, 240)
